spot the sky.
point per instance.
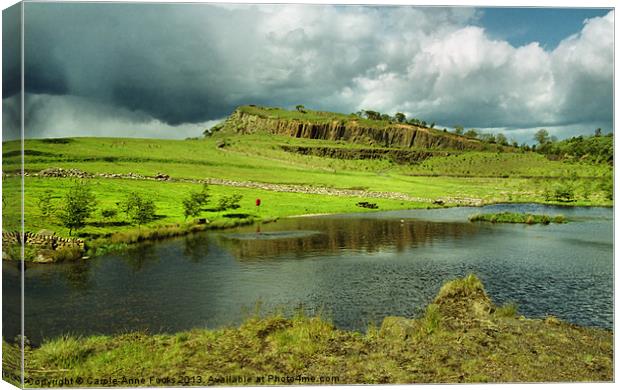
(172, 70)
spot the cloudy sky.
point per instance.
(171, 70)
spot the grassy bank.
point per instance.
(507, 217)
(462, 337)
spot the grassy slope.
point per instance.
(462, 337)
(259, 158)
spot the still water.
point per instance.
(355, 269)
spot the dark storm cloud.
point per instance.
(11, 51)
(176, 64)
(11, 71)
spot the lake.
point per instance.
(354, 269)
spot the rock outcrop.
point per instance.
(394, 135)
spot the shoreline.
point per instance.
(462, 336)
(112, 243)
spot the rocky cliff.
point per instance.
(351, 130)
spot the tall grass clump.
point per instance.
(507, 217)
(509, 310)
(67, 253)
(432, 319)
(64, 352)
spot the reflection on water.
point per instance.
(337, 235)
(356, 269)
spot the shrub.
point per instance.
(67, 253)
(108, 213)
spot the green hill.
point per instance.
(351, 128)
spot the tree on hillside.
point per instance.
(372, 115)
(471, 133)
(542, 137)
(598, 132)
(458, 129)
(300, 108)
(79, 203)
(485, 137)
(501, 139)
(400, 117)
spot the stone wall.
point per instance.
(43, 243)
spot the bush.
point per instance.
(564, 193)
(108, 213)
(67, 253)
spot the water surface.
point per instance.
(355, 269)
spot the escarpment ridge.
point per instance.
(341, 127)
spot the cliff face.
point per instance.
(396, 135)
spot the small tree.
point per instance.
(191, 208)
(139, 209)
(598, 132)
(400, 117)
(131, 202)
(501, 139)
(300, 108)
(192, 205)
(458, 130)
(372, 115)
(143, 212)
(229, 202)
(542, 137)
(471, 133)
(79, 203)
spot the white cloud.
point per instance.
(195, 63)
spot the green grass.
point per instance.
(492, 177)
(507, 217)
(464, 178)
(462, 337)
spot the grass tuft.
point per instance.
(508, 217)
